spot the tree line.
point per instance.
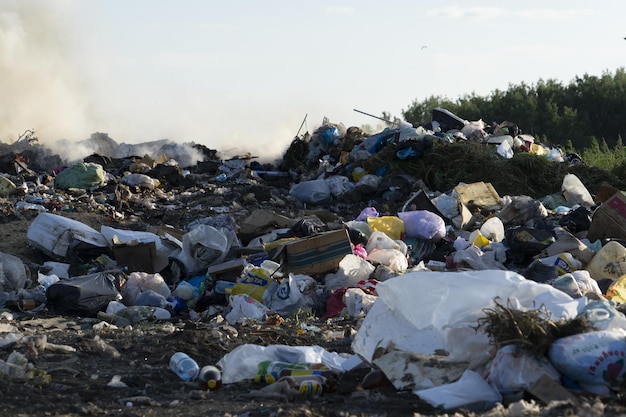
(587, 115)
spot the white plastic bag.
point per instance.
(391, 258)
(470, 389)
(12, 273)
(575, 191)
(281, 297)
(242, 362)
(243, 306)
(138, 282)
(594, 359)
(351, 270)
(358, 302)
(204, 246)
(425, 311)
(339, 184)
(513, 370)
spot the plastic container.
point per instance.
(185, 367)
(210, 378)
(617, 290)
(565, 263)
(274, 367)
(609, 262)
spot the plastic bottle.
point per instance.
(307, 385)
(183, 366)
(210, 377)
(274, 367)
(328, 376)
(564, 262)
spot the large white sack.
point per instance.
(423, 312)
(54, 234)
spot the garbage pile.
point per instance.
(468, 298)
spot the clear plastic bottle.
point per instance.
(183, 366)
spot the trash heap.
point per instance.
(467, 297)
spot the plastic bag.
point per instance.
(358, 302)
(493, 229)
(284, 296)
(139, 282)
(423, 224)
(350, 271)
(513, 370)
(339, 184)
(391, 258)
(425, 311)
(242, 362)
(82, 175)
(243, 306)
(140, 180)
(204, 246)
(312, 192)
(12, 273)
(575, 192)
(470, 389)
(254, 281)
(392, 226)
(594, 359)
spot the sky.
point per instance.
(243, 75)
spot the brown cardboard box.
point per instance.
(315, 254)
(141, 257)
(478, 194)
(609, 220)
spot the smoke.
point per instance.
(58, 84)
(41, 88)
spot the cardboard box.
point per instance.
(227, 271)
(476, 195)
(609, 220)
(315, 254)
(141, 257)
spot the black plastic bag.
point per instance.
(84, 296)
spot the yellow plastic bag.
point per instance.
(392, 226)
(253, 281)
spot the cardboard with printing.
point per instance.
(315, 254)
(609, 220)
